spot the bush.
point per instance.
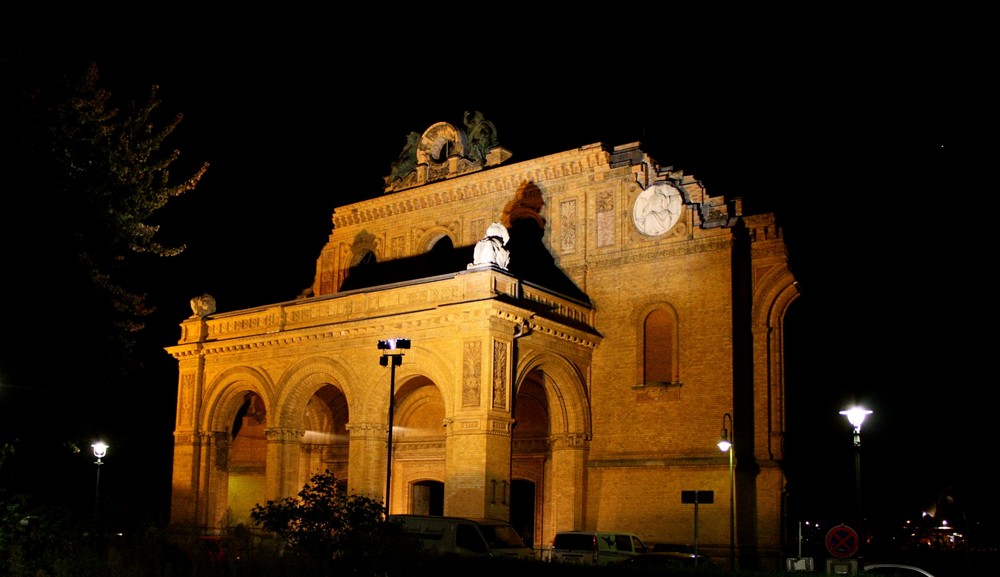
(325, 528)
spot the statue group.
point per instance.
(481, 137)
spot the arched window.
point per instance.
(660, 348)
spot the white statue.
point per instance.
(490, 251)
(203, 305)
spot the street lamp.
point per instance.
(389, 347)
(726, 446)
(100, 450)
(856, 416)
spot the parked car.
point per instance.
(683, 548)
(655, 561)
(894, 570)
(595, 547)
(464, 536)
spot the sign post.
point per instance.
(697, 497)
(842, 542)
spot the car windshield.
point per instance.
(502, 537)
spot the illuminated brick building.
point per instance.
(582, 384)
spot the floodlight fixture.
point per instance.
(393, 344)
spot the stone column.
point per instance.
(366, 459)
(188, 469)
(184, 492)
(478, 442)
(213, 490)
(281, 477)
(568, 482)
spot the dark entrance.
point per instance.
(427, 498)
(522, 509)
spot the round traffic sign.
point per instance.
(842, 541)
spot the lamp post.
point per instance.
(389, 348)
(856, 416)
(100, 450)
(726, 446)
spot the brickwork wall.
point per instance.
(619, 451)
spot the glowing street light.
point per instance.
(856, 416)
(100, 450)
(390, 347)
(726, 446)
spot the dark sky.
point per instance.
(864, 141)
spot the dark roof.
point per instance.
(530, 261)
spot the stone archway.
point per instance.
(247, 463)
(529, 454)
(418, 447)
(551, 447)
(325, 442)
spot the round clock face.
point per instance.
(657, 209)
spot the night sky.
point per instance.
(864, 144)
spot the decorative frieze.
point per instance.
(472, 363)
(397, 247)
(367, 430)
(402, 449)
(570, 441)
(185, 400)
(280, 434)
(605, 218)
(499, 374)
(568, 224)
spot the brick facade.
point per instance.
(517, 400)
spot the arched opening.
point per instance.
(418, 454)
(528, 456)
(247, 462)
(325, 441)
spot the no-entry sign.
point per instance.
(842, 541)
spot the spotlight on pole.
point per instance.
(390, 348)
(393, 344)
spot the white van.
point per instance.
(595, 547)
(464, 536)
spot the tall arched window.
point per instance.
(660, 348)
